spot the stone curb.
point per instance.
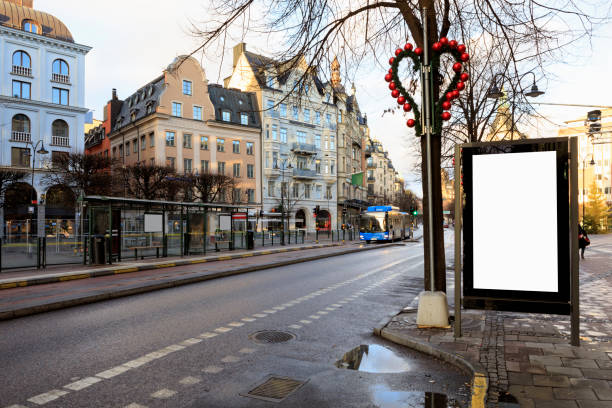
(30, 310)
(67, 276)
(479, 376)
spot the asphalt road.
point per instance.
(190, 346)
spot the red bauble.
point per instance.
(401, 100)
(460, 86)
(443, 41)
(455, 94)
(436, 46)
(452, 44)
(391, 60)
(395, 93)
(457, 67)
(465, 56)
(461, 48)
(446, 105)
(446, 115)
(388, 77)
(408, 46)
(449, 96)
(407, 107)
(464, 76)
(390, 70)
(418, 51)
(398, 52)
(392, 85)
(410, 123)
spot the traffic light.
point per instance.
(594, 117)
(414, 211)
(344, 211)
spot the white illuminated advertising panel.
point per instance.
(515, 222)
(153, 223)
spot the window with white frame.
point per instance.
(187, 165)
(283, 135)
(295, 112)
(226, 116)
(271, 188)
(197, 112)
(317, 118)
(250, 171)
(203, 142)
(301, 137)
(170, 138)
(307, 115)
(176, 109)
(187, 141)
(274, 132)
(244, 119)
(249, 148)
(186, 87)
(318, 141)
(283, 110)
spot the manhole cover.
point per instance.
(271, 336)
(275, 389)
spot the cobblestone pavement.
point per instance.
(528, 355)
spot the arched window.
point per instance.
(60, 67)
(22, 59)
(31, 26)
(59, 128)
(21, 123)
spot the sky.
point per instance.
(133, 41)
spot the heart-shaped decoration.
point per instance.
(443, 46)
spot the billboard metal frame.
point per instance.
(565, 300)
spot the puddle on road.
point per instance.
(374, 359)
(384, 397)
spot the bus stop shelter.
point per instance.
(116, 228)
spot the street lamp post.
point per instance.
(495, 93)
(42, 150)
(282, 169)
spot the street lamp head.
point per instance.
(42, 149)
(592, 162)
(535, 92)
(289, 166)
(494, 93)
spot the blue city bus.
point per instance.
(384, 223)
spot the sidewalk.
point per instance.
(526, 359)
(25, 295)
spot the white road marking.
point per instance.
(322, 312)
(138, 362)
(112, 372)
(16, 406)
(342, 302)
(305, 321)
(295, 326)
(270, 311)
(174, 347)
(190, 342)
(279, 308)
(213, 369)
(331, 309)
(248, 319)
(336, 305)
(314, 317)
(135, 405)
(222, 329)
(84, 383)
(208, 335)
(190, 380)
(260, 315)
(42, 399)
(230, 359)
(164, 393)
(235, 324)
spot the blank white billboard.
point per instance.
(153, 223)
(515, 221)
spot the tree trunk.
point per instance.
(438, 230)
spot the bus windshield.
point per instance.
(373, 223)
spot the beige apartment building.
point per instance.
(181, 120)
(595, 155)
(381, 174)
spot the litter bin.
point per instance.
(250, 240)
(98, 250)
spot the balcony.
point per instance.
(331, 126)
(23, 137)
(371, 179)
(62, 79)
(371, 165)
(23, 71)
(60, 141)
(304, 148)
(304, 174)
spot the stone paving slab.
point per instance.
(529, 355)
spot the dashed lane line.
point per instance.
(164, 393)
(81, 384)
(49, 396)
(189, 380)
(212, 369)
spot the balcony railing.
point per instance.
(21, 137)
(63, 79)
(371, 179)
(60, 141)
(24, 71)
(371, 165)
(304, 148)
(304, 173)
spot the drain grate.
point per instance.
(271, 336)
(275, 389)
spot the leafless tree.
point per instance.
(83, 173)
(532, 33)
(212, 187)
(8, 177)
(148, 181)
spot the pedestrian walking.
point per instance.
(583, 240)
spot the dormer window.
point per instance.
(226, 116)
(31, 27)
(151, 89)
